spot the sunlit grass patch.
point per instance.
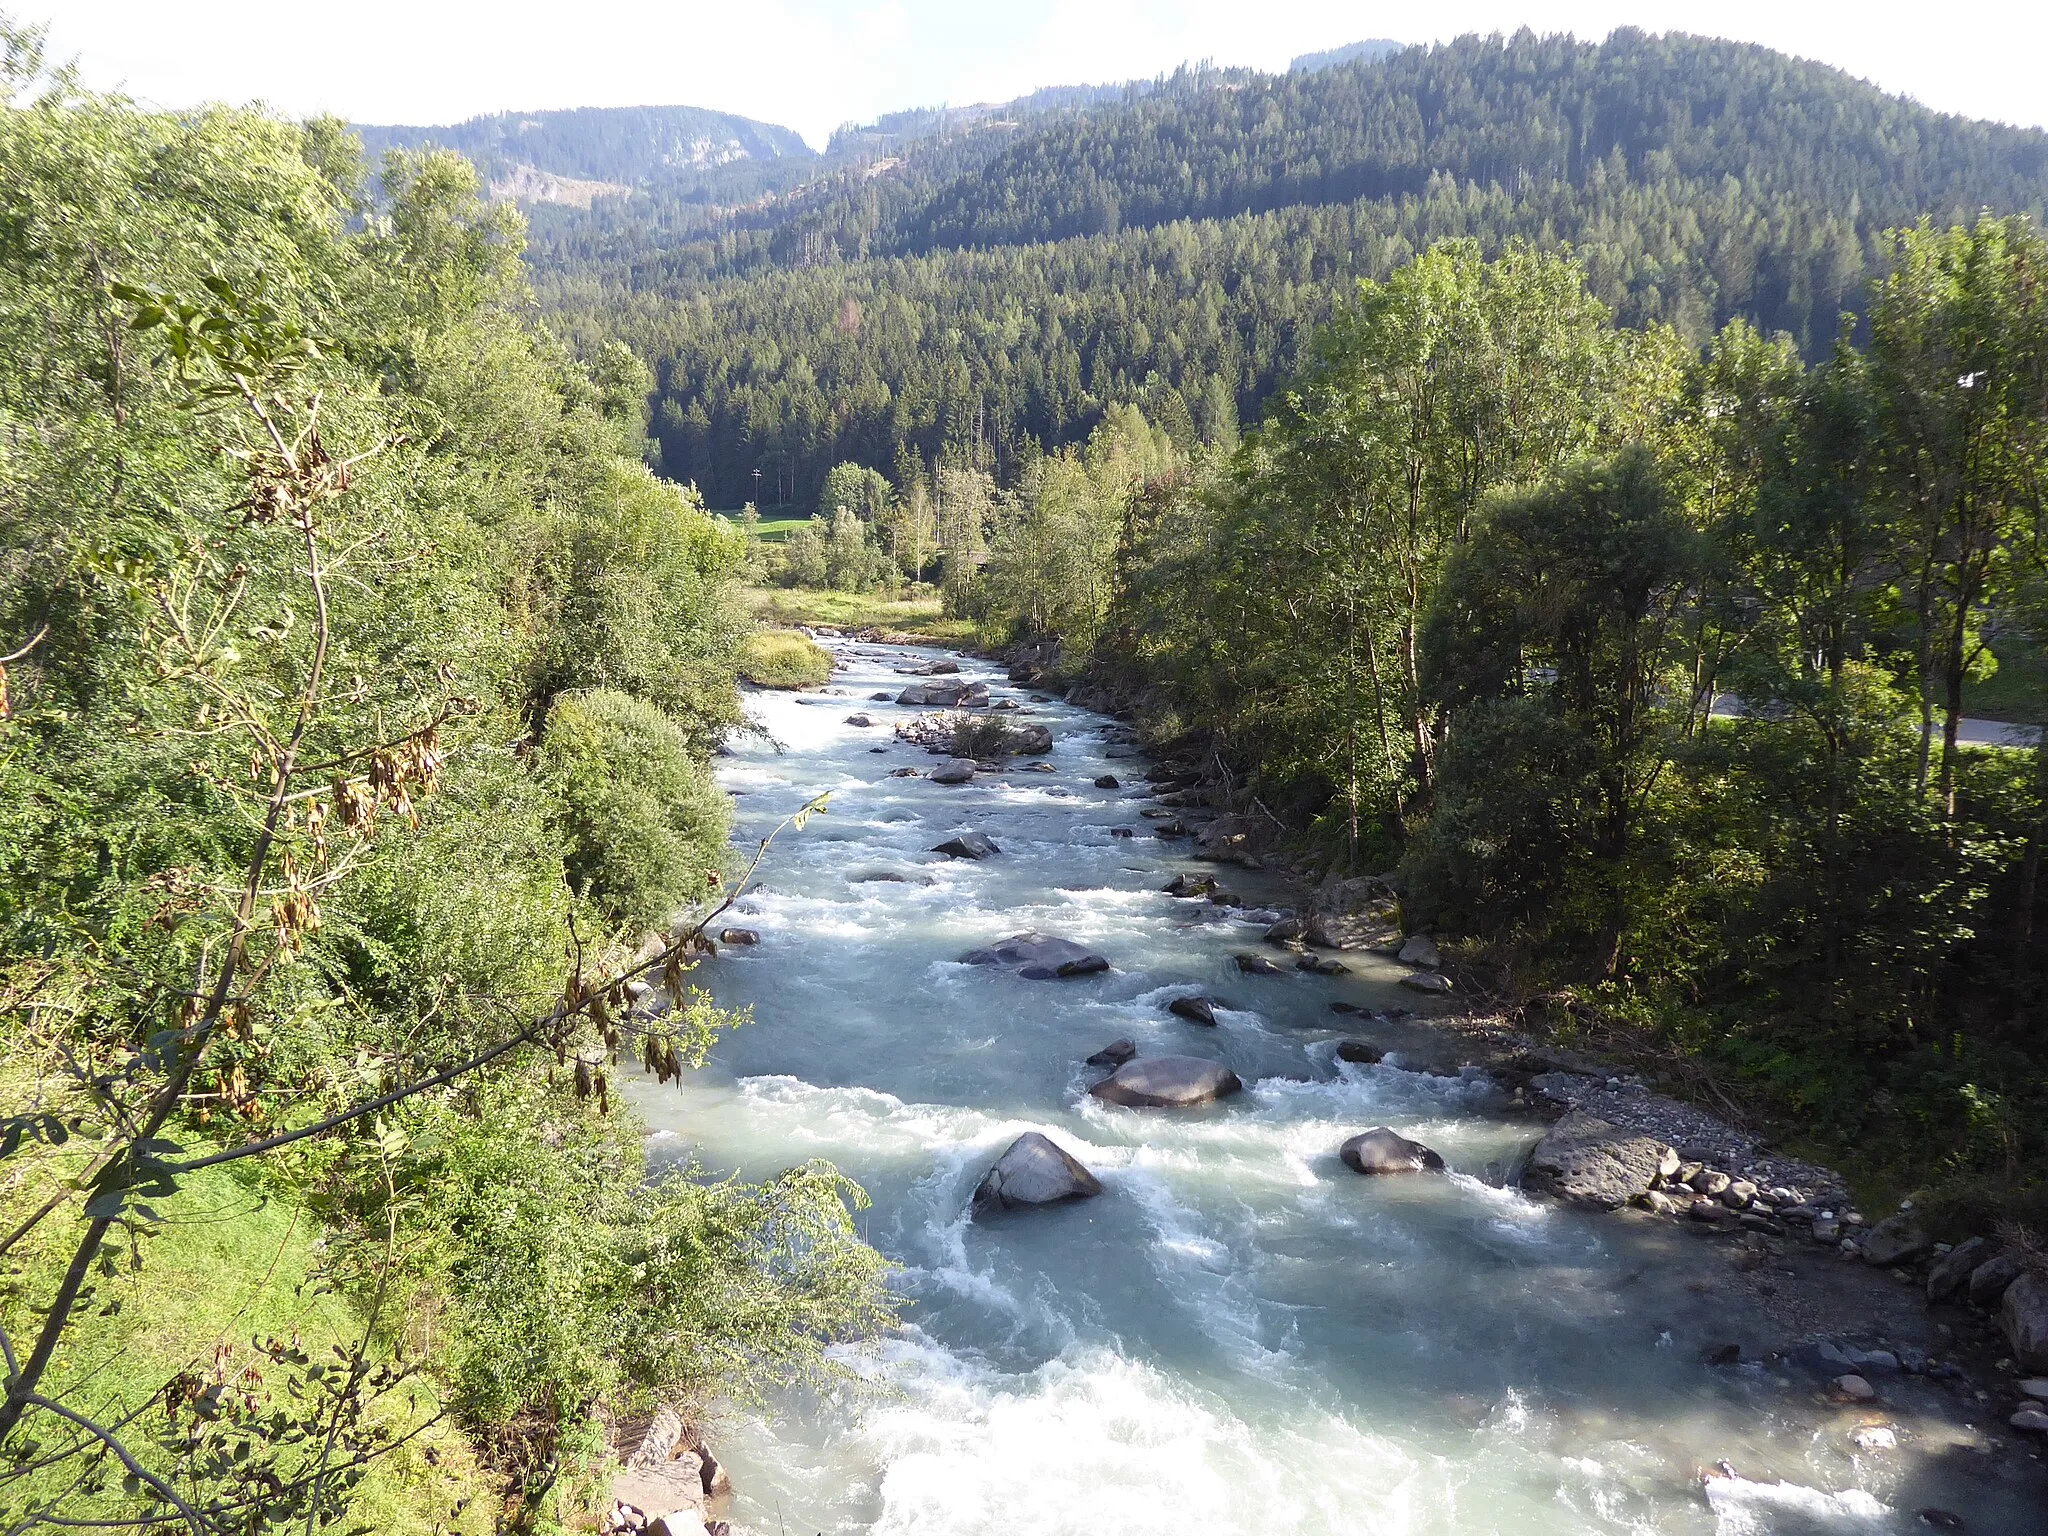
(919, 616)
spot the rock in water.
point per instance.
(1426, 981)
(2023, 1318)
(954, 770)
(1360, 1051)
(949, 695)
(1895, 1240)
(1108, 781)
(1035, 1171)
(968, 845)
(1196, 1010)
(1420, 950)
(1259, 965)
(1039, 957)
(1948, 1277)
(1589, 1162)
(1114, 1054)
(1381, 1150)
(1167, 1082)
(740, 936)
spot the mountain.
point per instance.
(986, 289)
(1351, 53)
(576, 155)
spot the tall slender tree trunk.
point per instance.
(1924, 610)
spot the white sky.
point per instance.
(813, 64)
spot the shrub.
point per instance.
(643, 827)
(784, 658)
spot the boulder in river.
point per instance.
(1190, 885)
(1108, 781)
(1587, 1161)
(945, 695)
(1196, 1010)
(954, 770)
(859, 720)
(1381, 1150)
(738, 936)
(968, 845)
(1895, 1240)
(1035, 1171)
(1426, 981)
(1364, 1052)
(881, 698)
(1039, 957)
(1420, 950)
(1948, 1277)
(1167, 1082)
(1259, 965)
(1235, 839)
(1114, 1054)
(2023, 1318)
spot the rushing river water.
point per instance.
(1240, 1335)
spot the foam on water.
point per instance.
(1240, 1334)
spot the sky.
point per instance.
(814, 64)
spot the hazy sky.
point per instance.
(813, 64)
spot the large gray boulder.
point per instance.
(954, 770)
(2023, 1318)
(1038, 957)
(1948, 1277)
(1196, 1010)
(968, 845)
(1028, 740)
(1420, 949)
(1235, 839)
(1381, 1150)
(1989, 1279)
(1587, 1161)
(1035, 1171)
(1434, 982)
(1895, 1240)
(1167, 1082)
(950, 694)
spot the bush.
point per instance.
(643, 827)
(784, 658)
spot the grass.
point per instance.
(234, 1261)
(774, 527)
(782, 658)
(918, 616)
(2017, 692)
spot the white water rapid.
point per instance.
(1240, 1335)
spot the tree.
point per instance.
(1957, 344)
(806, 555)
(1572, 598)
(859, 489)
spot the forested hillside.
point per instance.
(357, 684)
(1208, 219)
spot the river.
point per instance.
(1240, 1334)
